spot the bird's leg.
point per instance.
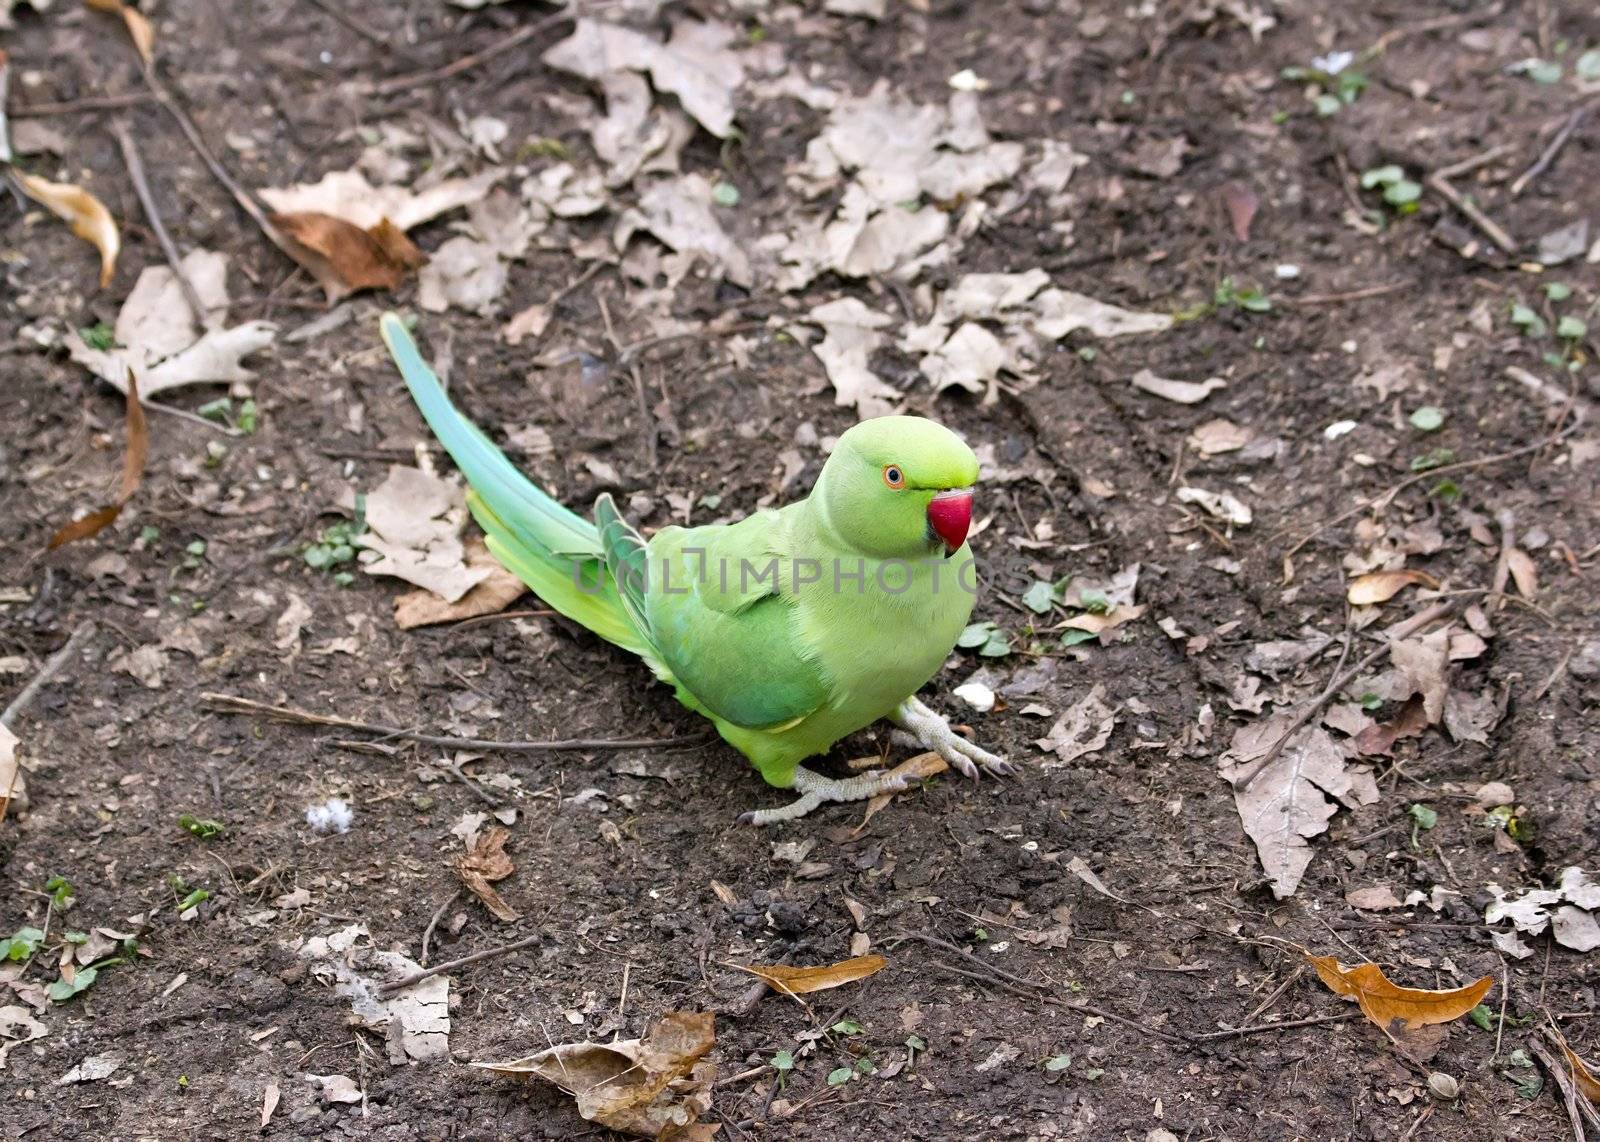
(932, 731)
(816, 789)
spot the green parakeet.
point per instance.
(789, 629)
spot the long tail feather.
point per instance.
(552, 549)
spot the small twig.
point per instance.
(1472, 213)
(471, 60)
(1476, 162)
(1338, 682)
(647, 423)
(231, 704)
(147, 200)
(1576, 1104)
(1548, 155)
(51, 668)
(1427, 1113)
(81, 106)
(1348, 295)
(433, 923)
(364, 30)
(451, 965)
(1273, 998)
(1285, 1025)
(628, 352)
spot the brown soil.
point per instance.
(620, 884)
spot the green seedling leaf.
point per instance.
(201, 827)
(1545, 71)
(1039, 598)
(99, 337)
(915, 1043)
(60, 890)
(249, 418)
(1571, 328)
(1402, 193)
(72, 936)
(1094, 602)
(20, 944)
(725, 194)
(1074, 637)
(840, 1075)
(987, 638)
(865, 1066)
(1058, 1062)
(783, 1062)
(219, 410)
(1588, 65)
(1528, 321)
(1370, 702)
(846, 1027)
(196, 898)
(1557, 291)
(1428, 419)
(1434, 458)
(1482, 1016)
(1381, 176)
(64, 989)
(1424, 816)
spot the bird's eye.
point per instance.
(893, 476)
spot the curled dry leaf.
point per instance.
(1583, 1076)
(917, 768)
(1381, 586)
(803, 981)
(1408, 723)
(1083, 729)
(1242, 204)
(422, 607)
(1523, 572)
(487, 862)
(1179, 392)
(133, 461)
(655, 1087)
(86, 214)
(1391, 1006)
(345, 258)
(139, 29)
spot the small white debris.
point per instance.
(1339, 428)
(1286, 271)
(1222, 505)
(968, 80)
(976, 695)
(332, 816)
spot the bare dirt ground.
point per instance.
(1019, 1000)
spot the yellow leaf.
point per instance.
(1386, 1003)
(88, 216)
(1381, 586)
(802, 981)
(139, 29)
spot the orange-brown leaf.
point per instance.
(343, 257)
(1381, 586)
(1387, 1004)
(1582, 1076)
(133, 461)
(802, 981)
(918, 768)
(421, 607)
(486, 862)
(86, 214)
(143, 35)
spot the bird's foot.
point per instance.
(931, 731)
(816, 789)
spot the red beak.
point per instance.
(950, 517)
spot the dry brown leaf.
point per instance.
(1381, 586)
(1241, 203)
(918, 768)
(421, 607)
(1102, 625)
(1582, 1075)
(133, 461)
(343, 257)
(655, 1087)
(1408, 723)
(1388, 1004)
(486, 862)
(803, 981)
(139, 29)
(86, 214)
(1523, 572)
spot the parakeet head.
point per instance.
(899, 487)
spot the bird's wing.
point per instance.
(720, 611)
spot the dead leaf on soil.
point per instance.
(421, 607)
(464, 273)
(681, 214)
(917, 768)
(1583, 1076)
(1424, 664)
(139, 29)
(160, 338)
(1215, 437)
(803, 981)
(17, 1026)
(1381, 586)
(1378, 898)
(416, 1021)
(1101, 625)
(1061, 312)
(1392, 1007)
(344, 258)
(86, 214)
(850, 335)
(1084, 729)
(488, 861)
(348, 195)
(1241, 203)
(655, 1087)
(1408, 723)
(133, 461)
(1179, 392)
(414, 522)
(1523, 572)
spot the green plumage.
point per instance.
(789, 629)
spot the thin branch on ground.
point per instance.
(1471, 211)
(233, 704)
(81, 106)
(433, 923)
(647, 423)
(472, 59)
(147, 200)
(1577, 1106)
(628, 352)
(1548, 155)
(362, 29)
(1349, 295)
(51, 668)
(464, 961)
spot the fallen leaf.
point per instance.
(918, 768)
(464, 273)
(86, 214)
(487, 861)
(269, 1102)
(1378, 898)
(1241, 203)
(681, 214)
(654, 1087)
(286, 631)
(1215, 437)
(850, 335)
(803, 981)
(1288, 802)
(92, 1069)
(139, 29)
(1180, 392)
(415, 1022)
(1102, 625)
(1220, 505)
(133, 461)
(348, 195)
(1583, 1076)
(12, 786)
(1425, 665)
(1080, 869)
(971, 359)
(1393, 1007)
(1574, 928)
(158, 337)
(17, 1026)
(1061, 312)
(1085, 728)
(1470, 717)
(1381, 586)
(344, 258)
(414, 521)
(337, 1088)
(1523, 572)
(1408, 723)
(421, 607)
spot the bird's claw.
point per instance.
(931, 731)
(816, 789)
